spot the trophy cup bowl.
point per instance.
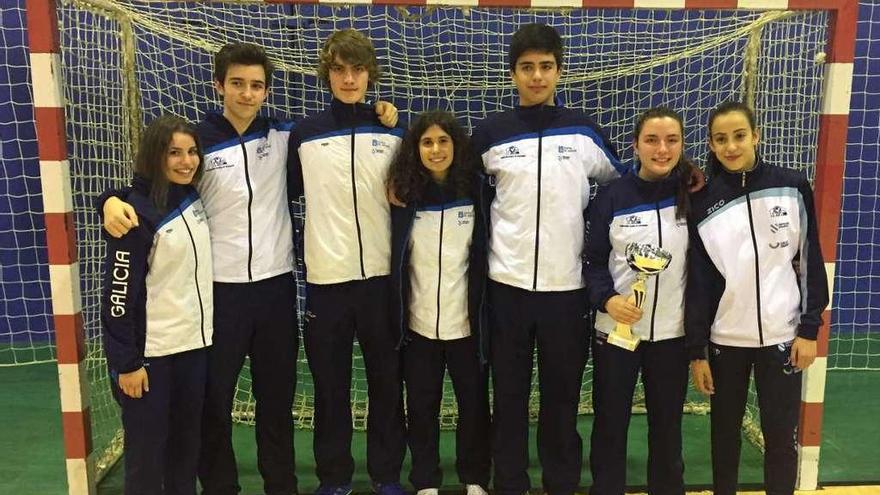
(646, 260)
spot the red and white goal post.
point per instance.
(98, 66)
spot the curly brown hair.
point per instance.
(352, 47)
(408, 177)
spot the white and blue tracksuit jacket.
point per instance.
(438, 267)
(158, 289)
(243, 190)
(627, 210)
(543, 159)
(747, 232)
(339, 159)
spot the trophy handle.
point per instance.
(639, 290)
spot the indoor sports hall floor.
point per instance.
(32, 461)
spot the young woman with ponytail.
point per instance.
(648, 206)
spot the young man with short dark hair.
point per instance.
(543, 157)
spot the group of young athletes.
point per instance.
(438, 251)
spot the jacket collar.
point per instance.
(218, 121)
(347, 112)
(743, 177)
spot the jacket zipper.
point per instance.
(538, 214)
(757, 264)
(357, 220)
(196, 276)
(657, 276)
(247, 179)
(440, 267)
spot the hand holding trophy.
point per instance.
(646, 260)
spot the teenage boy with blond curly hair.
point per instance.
(339, 161)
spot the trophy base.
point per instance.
(629, 343)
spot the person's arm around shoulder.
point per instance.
(119, 217)
(697, 180)
(387, 113)
(602, 163)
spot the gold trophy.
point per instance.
(646, 260)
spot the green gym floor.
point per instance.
(32, 459)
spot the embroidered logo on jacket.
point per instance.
(380, 147)
(778, 211)
(216, 162)
(778, 219)
(512, 152)
(776, 227)
(464, 217)
(565, 152)
(632, 221)
(199, 213)
(263, 149)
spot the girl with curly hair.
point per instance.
(438, 277)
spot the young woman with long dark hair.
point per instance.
(648, 206)
(158, 312)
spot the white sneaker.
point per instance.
(475, 490)
(428, 491)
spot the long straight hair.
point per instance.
(153, 153)
(684, 166)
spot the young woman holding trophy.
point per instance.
(638, 229)
(756, 289)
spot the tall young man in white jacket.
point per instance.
(543, 157)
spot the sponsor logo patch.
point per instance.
(776, 227)
(380, 147)
(715, 207)
(263, 150)
(632, 221)
(512, 152)
(778, 211)
(465, 217)
(778, 219)
(565, 152)
(199, 214)
(217, 162)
